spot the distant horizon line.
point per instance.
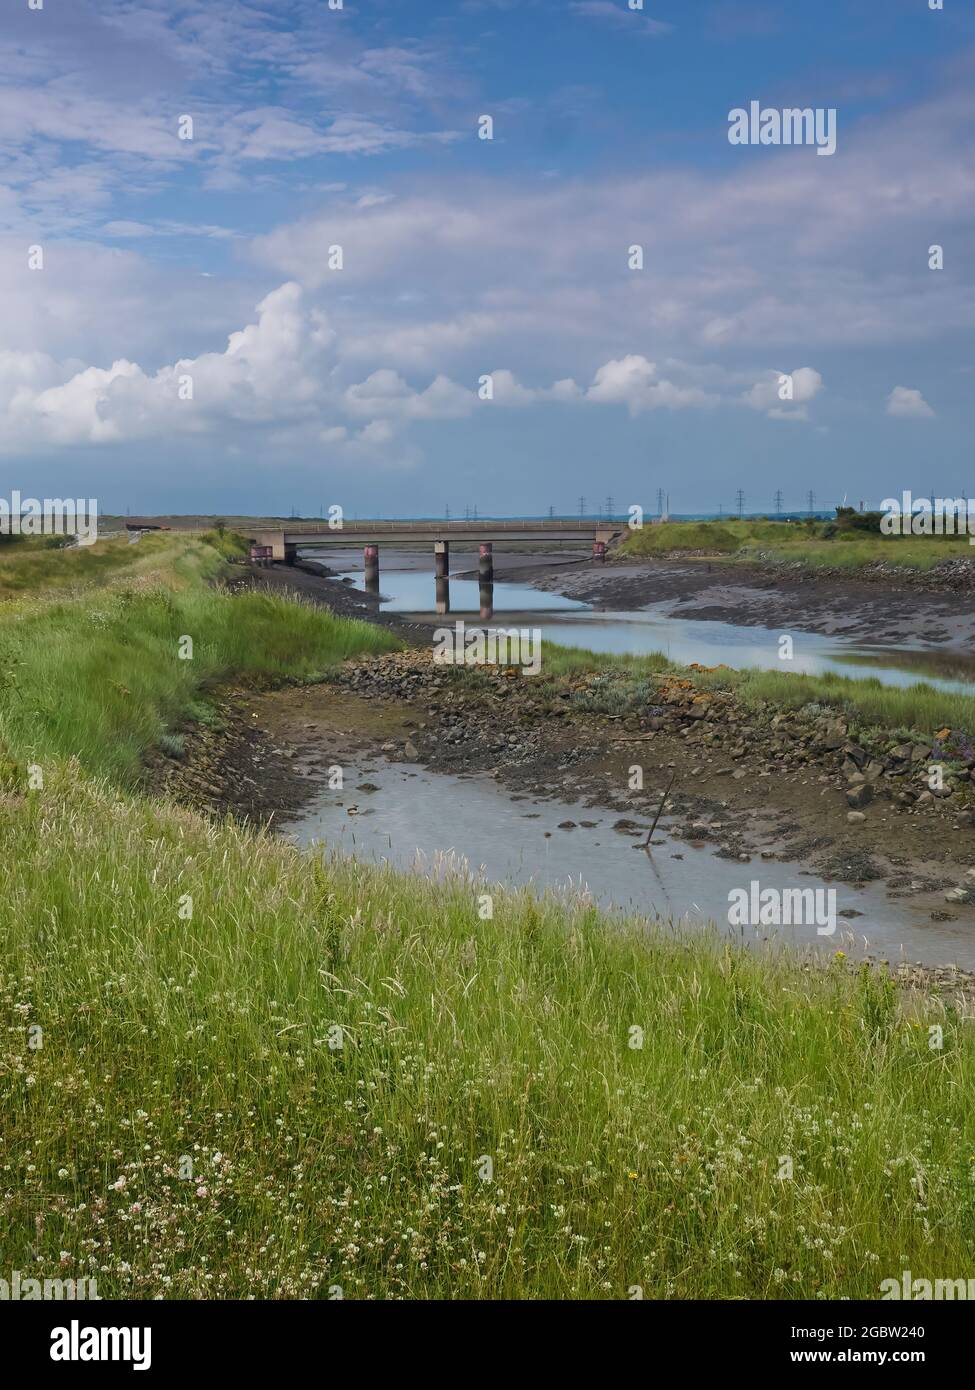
(825, 513)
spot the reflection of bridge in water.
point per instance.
(284, 544)
(485, 591)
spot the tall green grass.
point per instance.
(230, 1069)
(817, 545)
(856, 552)
(559, 660)
(779, 1133)
(717, 537)
(103, 673)
(866, 700)
(33, 567)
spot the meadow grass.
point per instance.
(866, 700)
(230, 1068)
(855, 552)
(96, 671)
(720, 537)
(32, 567)
(559, 660)
(260, 1074)
(813, 544)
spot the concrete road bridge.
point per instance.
(284, 542)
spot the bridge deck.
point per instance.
(284, 541)
(371, 532)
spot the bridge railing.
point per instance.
(429, 527)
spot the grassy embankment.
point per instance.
(818, 545)
(887, 709)
(919, 708)
(91, 665)
(186, 1129)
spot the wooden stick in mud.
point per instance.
(660, 809)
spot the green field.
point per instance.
(229, 1068)
(95, 669)
(819, 545)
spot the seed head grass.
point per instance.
(231, 1069)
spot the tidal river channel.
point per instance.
(413, 592)
(436, 823)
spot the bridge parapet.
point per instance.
(284, 541)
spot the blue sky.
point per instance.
(187, 347)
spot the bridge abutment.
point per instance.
(274, 539)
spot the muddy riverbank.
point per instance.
(900, 612)
(278, 753)
(749, 786)
(748, 789)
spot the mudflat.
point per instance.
(904, 614)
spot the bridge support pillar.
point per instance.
(441, 559)
(290, 554)
(370, 555)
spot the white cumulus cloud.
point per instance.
(908, 403)
(785, 395)
(633, 381)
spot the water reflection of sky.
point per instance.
(683, 640)
(416, 815)
(412, 591)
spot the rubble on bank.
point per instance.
(511, 710)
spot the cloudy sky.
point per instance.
(177, 336)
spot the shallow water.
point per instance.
(418, 816)
(711, 643)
